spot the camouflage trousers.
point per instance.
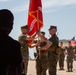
(69, 62)
(61, 61)
(52, 65)
(24, 67)
(25, 62)
(41, 65)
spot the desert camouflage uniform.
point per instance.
(75, 53)
(52, 55)
(61, 58)
(25, 53)
(70, 56)
(42, 60)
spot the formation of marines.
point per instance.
(49, 52)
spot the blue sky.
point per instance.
(61, 13)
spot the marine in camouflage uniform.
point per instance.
(61, 56)
(41, 59)
(53, 56)
(70, 56)
(52, 47)
(75, 53)
(24, 49)
(23, 39)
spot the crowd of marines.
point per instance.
(48, 52)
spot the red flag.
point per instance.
(35, 17)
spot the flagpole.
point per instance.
(38, 29)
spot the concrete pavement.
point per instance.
(32, 70)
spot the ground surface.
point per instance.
(32, 70)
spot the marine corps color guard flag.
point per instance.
(35, 17)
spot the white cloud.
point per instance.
(4, 0)
(53, 5)
(57, 3)
(20, 8)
